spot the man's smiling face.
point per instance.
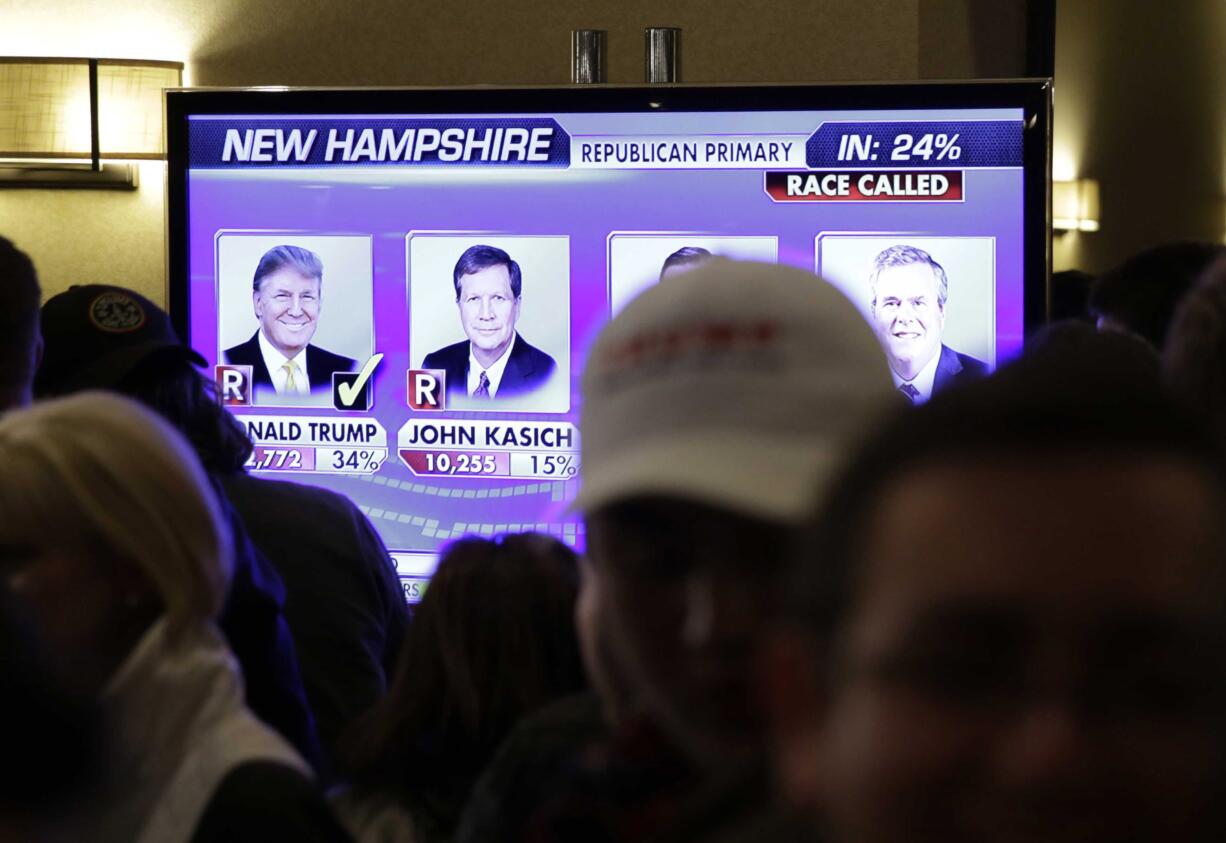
(489, 310)
(287, 305)
(908, 316)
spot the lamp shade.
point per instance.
(1074, 205)
(46, 108)
(131, 113)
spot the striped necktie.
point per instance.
(483, 387)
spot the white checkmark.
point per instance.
(349, 392)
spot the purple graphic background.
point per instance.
(419, 514)
(209, 137)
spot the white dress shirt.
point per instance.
(923, 380)
(275, 361)
(493, 373)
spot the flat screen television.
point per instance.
(397, 288)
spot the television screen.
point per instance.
(397, 289)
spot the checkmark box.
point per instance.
(351, 390)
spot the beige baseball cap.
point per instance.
(738, 385)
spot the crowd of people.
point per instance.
(808, 607)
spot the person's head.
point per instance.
(1070, 296)
(492, 639)
(1141, 294)
(684, 259)
(1009, 622)
(20, 342)
(107, 523)
(487, 291)
(909, 290)
(707, 415)
(286, 291)
(1079, 344)
(100, 337)
(1194, 360)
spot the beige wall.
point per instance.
(78, 236)
(1140, 105)
(93, 237)
(460, 42)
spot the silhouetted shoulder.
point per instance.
(344, 603)
(263, 801)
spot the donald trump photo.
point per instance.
(287, 296)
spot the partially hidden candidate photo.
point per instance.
(288, 294)
(639, 260)
(498, 365)
(910, 298)
(683, 260)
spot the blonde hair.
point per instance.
(98, 475)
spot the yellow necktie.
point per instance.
(291, 368)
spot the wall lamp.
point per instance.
(1074, 205)
(60, 118)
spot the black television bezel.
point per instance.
(1031, 95)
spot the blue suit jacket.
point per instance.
(953, 368)
(320, 364)
(527, 369)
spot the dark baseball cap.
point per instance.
(94, 335)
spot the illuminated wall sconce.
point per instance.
(60, 118)
(1074, 205)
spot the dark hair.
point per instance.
(685, 256)
(19, 316)
(492, 639)
(1195, 357)
(306, 262)
(1143, 291)
(1070, 295)
(477, 258)
(170, 385)
(1080, 345)
(1048, 404)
